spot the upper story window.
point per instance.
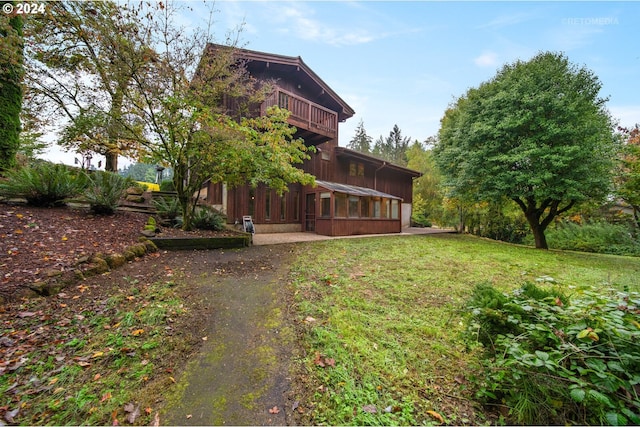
(356, 169)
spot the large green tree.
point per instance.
(394, 147)
(537, 133)
(11, 73)
(81, 59)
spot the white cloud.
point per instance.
(487, 59)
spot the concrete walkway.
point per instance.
(277, 238)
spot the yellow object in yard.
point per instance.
(150, 186)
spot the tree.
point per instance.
(537, 133)
(628, 178)
(394, 147)
(426, 189)
(177, 96)
(11, 73)
(80, 66)
(361, 141)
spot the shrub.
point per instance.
(44, 184)
(208, 219)
(104, 191)
(167, 185)
(555, 359)
(594, 236)
(168, 209)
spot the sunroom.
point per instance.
(343, 210)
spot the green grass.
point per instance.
(389, 312)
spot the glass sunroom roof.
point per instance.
(354, 190)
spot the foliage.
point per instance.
(44, 184)
(628, 177)
(206, 218)
(555, 359)
(104, 191)
(11, 74)
(498, 220)
(361, 141)
(168, 209)
(81, 59)
(392, 148)
(167, 185)
(144, 172)
(595, 236)
(386, 322)
(427, 204)
(537, 133)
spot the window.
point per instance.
(267, 205)
(376, 208)
(296, 206)
(395, 211)
(364, 207)
(384, 211)
(356, 169)
(353, 206)
(283, 207)
(325, 205)
(340, 201)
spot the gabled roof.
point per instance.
(295, 64)
(348, 153)
(354, 190)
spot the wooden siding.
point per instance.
(353, 226)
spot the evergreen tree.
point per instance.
(393, 148)
(361, 141)
(11, 72)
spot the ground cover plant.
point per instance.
(559, 355)
(384, 329)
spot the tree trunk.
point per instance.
(538, 235)
(111, 162)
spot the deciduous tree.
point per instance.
(628, 178)
(537, 133)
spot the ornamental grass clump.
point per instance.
(44, 184)
(555, 358)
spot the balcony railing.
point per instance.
(304, 113)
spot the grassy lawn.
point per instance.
(383, 326)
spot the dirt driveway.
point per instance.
(241, 375)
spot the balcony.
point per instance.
(314, 122)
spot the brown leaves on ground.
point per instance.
(323, 361)
(38, 242)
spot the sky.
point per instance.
(404, 62)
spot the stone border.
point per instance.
(189, 243)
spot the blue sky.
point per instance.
(404, 62)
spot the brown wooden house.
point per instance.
(354, 194)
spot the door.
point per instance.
(310, 212)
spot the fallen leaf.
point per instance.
(10, 415)
(156, 420)
(189, 416)
(437, 416)
(274, 410)
(105, 397)
(96, 377)
(370, 409)
(137, 332)
(148, 410)
(97, 354)
(133, 412)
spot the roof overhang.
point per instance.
(353, 154)
(292, 63)
(354, 190)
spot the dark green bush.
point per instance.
(554, 359)
(167, 185)
(205, 218)
(44, 184)
(104, 191)
(594, 236)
